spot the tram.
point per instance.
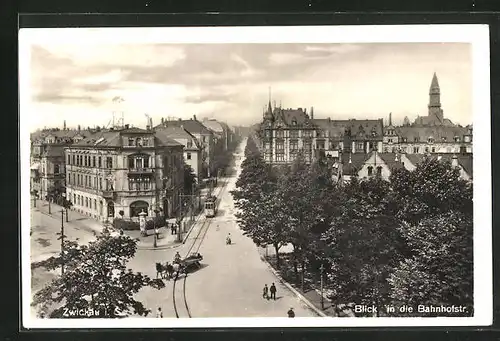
(210, 207)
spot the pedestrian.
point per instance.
(265, 292)
(291, 313)
(172, 229)
(272, 289)
(159, 313)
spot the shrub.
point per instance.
(125, 225)
(156, 221)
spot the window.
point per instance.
(74, 199)
(86, 202)
(415, 150)
(268, 133)
(426, 149)
(466, 138)
(280, 145)
(319, 133)
(457, 138)
(131, 162)
(100, 183)
(360, 146)
(56, 169)
(69, 159)
(204, 139)
(433, 149)
(379, 170)
(280, 133)
(294, 122)
(99, 163)
(146, 162)
(93, 161)
(109, 162)
(294, 134)
(73, 159)
(306, 133)
(189, 144)
(95, 204)
(188, 156)
(74, 178)
(280, 157)
(130, 141)
(146, 184)
(79, 200)
(320, 145)
(145, 142)
(370, 170)
(430, 139)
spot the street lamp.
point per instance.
(61, 237)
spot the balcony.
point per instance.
(108, 194)
(140, 171)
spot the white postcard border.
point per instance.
(477, 35)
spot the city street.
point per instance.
(231, 279)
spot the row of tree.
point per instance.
(405, 241)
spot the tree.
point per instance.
(95, 277)
(436, 213)
(189, 179)
(364, 242)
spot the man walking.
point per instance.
(159, 313)
(273, 291)
(291, 313)
(265, 291)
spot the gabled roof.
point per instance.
(290, 115)
(58, 134)
(165, 139)
(102, 139)
(353, 162)
(392, 160)
(464, 160)
(193, 126)
(437, 132)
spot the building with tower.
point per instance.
(428, 134)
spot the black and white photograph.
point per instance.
(320, 176)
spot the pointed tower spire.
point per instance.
(269, 103)
(434, 83)
(390, 118)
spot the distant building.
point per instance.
(47, 162)
(192, 147)
(130, 170)
(223, 134)
(284, 133)
(430, 134)
(204, 135)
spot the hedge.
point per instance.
(128, 225)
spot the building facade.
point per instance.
(192, 147)
(125, 171)
(47, 161)
(429, 134)
(204, 136)
(284, 133)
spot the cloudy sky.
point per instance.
(230, 82)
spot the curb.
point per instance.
(292, 289)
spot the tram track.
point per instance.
(182, 310)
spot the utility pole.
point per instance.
(179, 232)
(322, 268)
(61, 237)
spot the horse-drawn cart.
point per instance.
(178, 266)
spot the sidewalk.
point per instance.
(311, 297)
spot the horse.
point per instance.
(161, 270)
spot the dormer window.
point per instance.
(457, 138)
(294, 122)
(466, 138)
(416, 139)
(319, 133)
(430, 139)
(443, 138)
(131, 141)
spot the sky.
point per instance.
(232, 82)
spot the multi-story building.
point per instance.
(47, 160)
(192, 147)
(204, 135)
(130, 170)
(429, 134)
(284, 133)
(222, 133)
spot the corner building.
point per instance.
(130, 170)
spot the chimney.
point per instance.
(78, 128)
(454, 161)
(194, 117)
(312, 113)
(64, 125)
(127, 126)
(390, 118)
